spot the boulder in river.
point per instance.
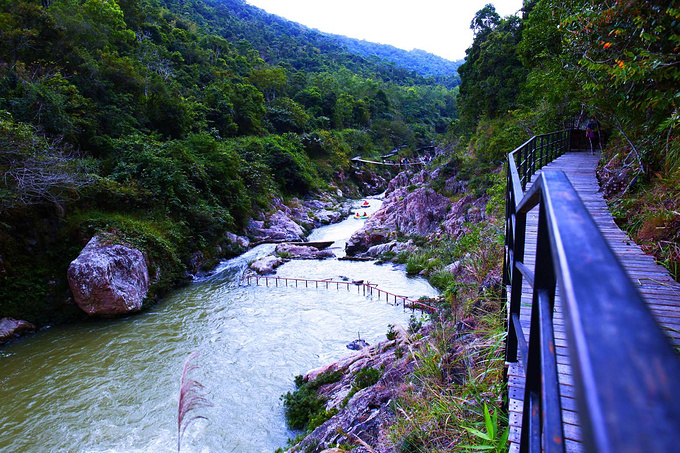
(278, 227)
(304, 252)
(266, 265)
(12, 328)
(357, 345)
(108, 279)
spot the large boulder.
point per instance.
(108, 279)
(419, 212)
(12, 328)
(304, 252)
(266, 265)
(235, 245)
(278, 227)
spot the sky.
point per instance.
(441, 27)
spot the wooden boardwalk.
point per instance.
(655, 284)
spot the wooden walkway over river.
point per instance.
(657, 287)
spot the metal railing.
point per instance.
(625, 372)
(368, 288)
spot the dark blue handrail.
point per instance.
(626, 373)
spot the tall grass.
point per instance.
(454, 401)
(191, 398)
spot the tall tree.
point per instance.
(492, 73)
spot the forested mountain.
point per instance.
(423, 63)
(171, 122)
(280, 41)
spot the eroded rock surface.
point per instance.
(361, 420)
(11, 328)
(304, 252)
(419, 212)
(292, 222)
(108, 279)
(266, 265)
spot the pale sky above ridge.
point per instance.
(441, 27)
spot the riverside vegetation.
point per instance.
(552, 67)
(170, 123)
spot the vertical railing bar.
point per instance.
(550, 397)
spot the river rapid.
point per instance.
(112, 386)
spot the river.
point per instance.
(111, 386)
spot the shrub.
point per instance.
(366, 378)
(416, 263)
(303, 406)
(391, 333)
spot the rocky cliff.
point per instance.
(412, 208)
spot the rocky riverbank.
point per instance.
(112, 277)
(359, 416)
(362, 406)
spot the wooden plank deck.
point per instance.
(655, 284)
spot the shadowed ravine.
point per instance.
(111, 386)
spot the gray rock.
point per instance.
(266, 265)
(108, 279)
(12, 328)
(455, 268)
(240, 243)
(326, 217)
(357, 345)
(367, 414)
(377, 250)
(419, 212)
(304, 252)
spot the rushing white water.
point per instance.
(111, 386)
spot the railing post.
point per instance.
(542, 408)
(515, 286)
(529, 151)
(523, 165)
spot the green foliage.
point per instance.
(423, 261)
(319, 418)
(366, 377)
(416, 263)
(173, 122)
(301, 406)
(493, 439)
(492, 73)
(284, 157)
(391, 332)
(414, 324)
(304, 406)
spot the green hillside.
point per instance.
(171, 123)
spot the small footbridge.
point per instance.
(368, 289)
(388, 163)
(593, 322)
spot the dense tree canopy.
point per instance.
(133, 115)
(567, 60)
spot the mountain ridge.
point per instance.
(419, 61)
